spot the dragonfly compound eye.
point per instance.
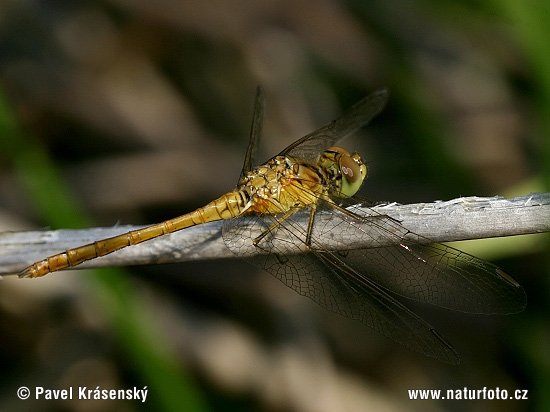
(354, 172)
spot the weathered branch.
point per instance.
(441, 221)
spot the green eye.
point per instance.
(353, 174)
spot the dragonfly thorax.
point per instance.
(283, 183)
(345, 172)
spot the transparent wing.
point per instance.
(312, 145)
(255, 131)
(358, 282)
(414, 268)
(328, 281)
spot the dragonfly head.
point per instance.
(346, 171)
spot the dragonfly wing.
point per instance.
(255, 131)
(326, 279)
(441, 275)
(420, 270)
(311, 146)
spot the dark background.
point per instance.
(135, 112)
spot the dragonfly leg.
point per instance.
(280, 220)
(274, 225)
(310, 225)
(363, 218)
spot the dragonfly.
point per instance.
(281, 214)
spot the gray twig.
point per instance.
(441, 221)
